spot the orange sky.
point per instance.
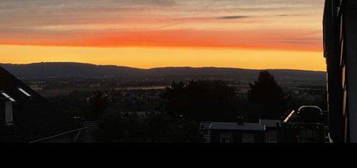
(263, 34)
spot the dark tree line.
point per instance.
(268, 96)
(217, 101)
(175, 115)
(203, 101)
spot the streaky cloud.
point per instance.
(233, 17)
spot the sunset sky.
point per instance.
(259, 34)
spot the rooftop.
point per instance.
(269, 123)
(34, 117)
(236, 126)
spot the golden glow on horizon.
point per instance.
(149, 57)
(277, 34)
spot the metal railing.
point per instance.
(61, 134)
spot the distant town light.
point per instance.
(24, 92)
(8, 97)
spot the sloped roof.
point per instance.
(33, 116)
(15, 88)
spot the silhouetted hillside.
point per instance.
(89, 71)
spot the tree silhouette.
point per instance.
(98, 103)
(268, 95)
(202, 101)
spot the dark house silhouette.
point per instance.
(25, 115)
(340, 51)
(232, 132)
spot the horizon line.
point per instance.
(193, 67)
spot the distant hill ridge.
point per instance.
(64, 70)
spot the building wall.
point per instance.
(271, 136)
(332, 53)
(350, 36)
(237, 136)
(340, 50)
(301, 133)
(2, 112)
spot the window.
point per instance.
(226, 138)
(248, 138)
(8, 97)
(24, 92)
(271, 136)
(9, 118)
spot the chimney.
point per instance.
(9, 116)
